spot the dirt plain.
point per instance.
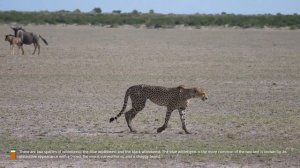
(78, 82)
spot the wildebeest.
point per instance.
(28, 37)
(14, 41)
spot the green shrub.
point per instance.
(150, 19)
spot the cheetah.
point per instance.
(173, 98)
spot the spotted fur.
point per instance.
(173, 98)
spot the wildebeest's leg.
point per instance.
(22, 49)
(10, 49)
(38, 45)
(13, 49)
(168, 115)
(34, 48)
(20, 46)
(182, 118)
(18, 49)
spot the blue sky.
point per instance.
(160, 6)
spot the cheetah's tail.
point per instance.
(123, 109)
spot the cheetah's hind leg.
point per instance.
(129, 115)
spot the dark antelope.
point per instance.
(29, 37)
(13, 41)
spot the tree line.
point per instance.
(150, 19)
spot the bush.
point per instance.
(150, 19)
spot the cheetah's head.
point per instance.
(193, 92)
(199, 93)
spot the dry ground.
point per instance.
(78, 82)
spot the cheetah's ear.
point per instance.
(180, 87)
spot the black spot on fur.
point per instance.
(111, 119)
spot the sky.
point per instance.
(159, 6)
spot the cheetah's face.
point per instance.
(199, 93)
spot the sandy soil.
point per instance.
(78, 82)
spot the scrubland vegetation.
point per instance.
(150, 19)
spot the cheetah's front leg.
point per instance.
(182, 118)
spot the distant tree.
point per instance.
(135, 12)
(63, 11)
(223, 13)
(117, 11)
(77, 11)
(151, 11)
(44, 11)
(97, 10)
